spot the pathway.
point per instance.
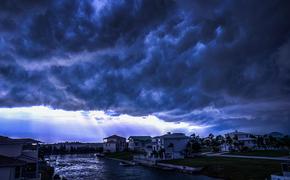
(287, 158)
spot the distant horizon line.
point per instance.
(60, 142)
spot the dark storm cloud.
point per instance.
(208, 62)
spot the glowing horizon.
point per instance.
(56, 125)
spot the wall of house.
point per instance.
(131, 145)
(7, 173)
(110, 147)
(249, 143)
(136, 145)
(121, 145)
(30, 153)
(179, 144)
(10, 150)
(114, 144)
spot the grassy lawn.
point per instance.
(268, 153)
(232, 168)
(121, 155)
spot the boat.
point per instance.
(99, 155)
(166, 168)
(125, 164)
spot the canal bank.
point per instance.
(129, 159)
(218, 167)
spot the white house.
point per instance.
(114, 143)
(19, 157)
(169, 146)
(246, 139)
(138, 143)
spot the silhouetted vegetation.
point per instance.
(53, 150)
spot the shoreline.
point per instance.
(214, 167)
(162, 166)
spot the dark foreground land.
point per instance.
(223, 167)
(265, 153)
(232, 168)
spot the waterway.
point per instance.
(90, 167)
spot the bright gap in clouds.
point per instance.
(54, 125)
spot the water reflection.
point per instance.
(91, 167)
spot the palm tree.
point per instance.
(229, 142)
(210, 136)
(171, 145)
(236, 142)
(192, 136)
(220, 139)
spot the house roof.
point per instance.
(140, 138)
(27, 140)
(115, 137)
(10, 162)
(7, 140)
(174, 136)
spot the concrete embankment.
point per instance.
(186, 169)
(166, 166)
(156, 164)
(121, 160)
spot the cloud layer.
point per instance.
(223, 63)
(54, 125)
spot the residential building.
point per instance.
(244, 139)
(169, 146)
(19, 157)
(114, 143)
(139, 143)
(10, 168)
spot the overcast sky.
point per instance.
(82, 70)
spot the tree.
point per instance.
(238, 144)
(210, 136)
(286, 141)
(192, 136)
(220, 139)
(171, 146)
(229, 142)
(161, 153)
(260, 141)
(194, 145)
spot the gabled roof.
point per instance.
(7, 140)
(174, 136)
(10, 162)
(140, 138)
(27, 140)
(115, 137)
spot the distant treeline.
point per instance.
(53, 150)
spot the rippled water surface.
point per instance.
(91, 167)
